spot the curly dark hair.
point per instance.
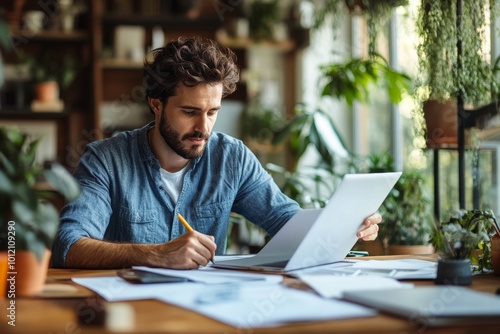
(190, 61)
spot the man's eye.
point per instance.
(188, 112)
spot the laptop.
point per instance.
(315, 237)
(431, 305)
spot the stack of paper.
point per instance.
(243, 300)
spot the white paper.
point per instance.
(243, 304)
(330, 286)
(261, 304)
(115, 288)
(404, 264)
(218, 276)
(397, 269)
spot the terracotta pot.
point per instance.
(47, 91)
(410, 250)
(495, 254)
(31, 273)
(442, 123)
(3, 274)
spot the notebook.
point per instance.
(321, 236)
(431, 305)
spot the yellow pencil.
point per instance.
(188, 227)
(185, 223)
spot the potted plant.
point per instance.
(310, 185)
(50, 75)
(258, 126)
(29, 220)
(263, 16)
(462, 241)
(449, 71)
(351, 80)
(312, 126)
(407, 220)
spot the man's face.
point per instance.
(187, 119)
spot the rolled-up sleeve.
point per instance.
(89, 214)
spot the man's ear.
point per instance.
(154, 104)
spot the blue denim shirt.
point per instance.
(123, 198)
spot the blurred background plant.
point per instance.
(22, 201)
(406, 210)
(351, 80)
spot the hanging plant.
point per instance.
(448, 73)
(376, 13)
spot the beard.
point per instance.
(174, 140)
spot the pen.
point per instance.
(188, 227)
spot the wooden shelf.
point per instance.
(166, 21)
(246, 43)
(121, 64)
(27, 114)
(52, 35)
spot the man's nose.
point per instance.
(202, 123)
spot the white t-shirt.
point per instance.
(173, 182)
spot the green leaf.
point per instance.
(22, 211)
(48, 222)
(5, 184)
(27, 239)
(28, 158)
(8, 166)
(62, 181)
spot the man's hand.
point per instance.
(370, 227)
(189, 251)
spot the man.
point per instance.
(135, 184)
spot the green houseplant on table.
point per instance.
(29, 221)
(461, 241)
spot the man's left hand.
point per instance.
(369, 230)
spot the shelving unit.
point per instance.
(106, 81)
(72, 122)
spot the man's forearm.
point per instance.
(97, 254)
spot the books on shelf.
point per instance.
(47, 106)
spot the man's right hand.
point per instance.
(189, 251)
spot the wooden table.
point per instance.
(56, 312)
